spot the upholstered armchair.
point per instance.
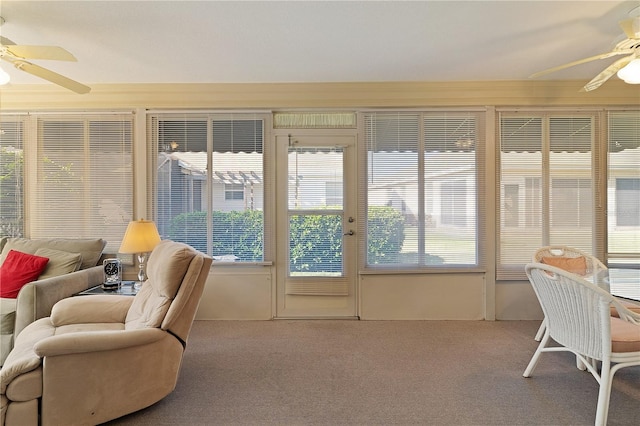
(100, 357)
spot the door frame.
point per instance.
(314, 306)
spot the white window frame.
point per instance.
(101, 147)
(425, 190)
(536, 192)
(219, 180)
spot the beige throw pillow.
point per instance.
(90, 248)
(60, 262)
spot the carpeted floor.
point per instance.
(331, 372)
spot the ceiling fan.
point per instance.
(17, 54)
(629, 46)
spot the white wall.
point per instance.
(237, 294)
(233, 294)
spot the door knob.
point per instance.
(349, 233)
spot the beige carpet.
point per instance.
(380, 373)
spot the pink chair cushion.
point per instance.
(575, 265)
(625, 336)
(629, 305)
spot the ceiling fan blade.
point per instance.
(51, 76)
(631, 27)
(39, 52)
(605, 75)
(5, 41)
(582, 61)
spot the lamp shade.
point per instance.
(141, 237)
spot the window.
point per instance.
(233, 191)
(315, 214)
(209, 183)
(623, 189)
(511, 205)
(333, 191)
(532, 202)
(423, 172)
(549, 159)
(79, 170)
(12, 138)
(627, 202)
(454, 202)
(575, 193)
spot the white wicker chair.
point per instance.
(579, 319)
(592, 263)
(563, 255)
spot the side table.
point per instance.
(125, 289)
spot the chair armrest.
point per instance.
(36, 299)
(91, 309)
(626, 314)
(96, 341)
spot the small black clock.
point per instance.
(112, 274)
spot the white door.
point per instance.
(316, 220)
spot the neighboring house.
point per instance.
(237, 183)
(571, 178)
(238, 180)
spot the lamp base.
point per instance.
(142, 276)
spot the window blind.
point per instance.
(209, 182)
(12, 137)
(81, 183)
(623, 188)
(423, 173)
(547, 186)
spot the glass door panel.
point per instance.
(317, 279)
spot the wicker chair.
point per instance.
(575, 261)
(585, 327)
(570, 259)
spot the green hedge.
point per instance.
(236, 233)
(315, 243)
(386, 235)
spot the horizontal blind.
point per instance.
(209, 182)
(180, 180)
(314, 120)
(315, 209)
(623, 187)
(81, 184)
(546, 186)
(451, 187)
(12, 142)
(237, 162)
(422, 188)
(393, 148)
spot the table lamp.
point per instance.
(139, 239)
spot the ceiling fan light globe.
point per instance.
(4, 77)
(631, 72)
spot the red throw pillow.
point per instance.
(19, 269)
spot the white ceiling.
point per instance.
(315, 41)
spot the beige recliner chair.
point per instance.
(97, 358)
